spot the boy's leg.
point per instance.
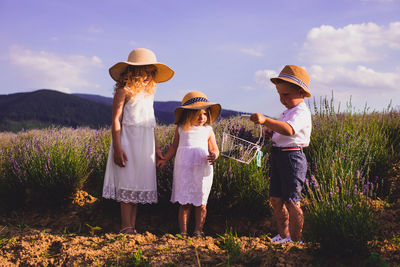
(281, 216)
(200, 218)
(296, 220)
(183, 217)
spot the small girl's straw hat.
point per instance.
(197, 100)
(143, 57)
(295, 74)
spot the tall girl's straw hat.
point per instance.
(197, 100)
(143, 57)
(295, 74)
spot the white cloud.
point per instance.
(94, 29)
(133, 43)
(363, 84)
(365, 42)
(43, 69)
(262, 77)
(252, 52)
(360, 77)
(248, 88)
(255, 51)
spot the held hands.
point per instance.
(161, 163)
(211, 158)
(120, 157)
(160, 159)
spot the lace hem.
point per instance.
(129, 196)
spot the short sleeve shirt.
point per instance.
(299, 118)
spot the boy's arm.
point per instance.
(280, 127)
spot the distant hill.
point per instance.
(43, 108)
(163, 110)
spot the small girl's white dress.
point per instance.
(193, 174)
(137, 181)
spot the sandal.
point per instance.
(183, 235)
(128, 230)
(198, 234)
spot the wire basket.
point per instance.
(238, 148)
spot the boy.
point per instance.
(290, 133)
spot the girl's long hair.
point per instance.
(131, 80)
(188, 115)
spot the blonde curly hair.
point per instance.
(132, 78)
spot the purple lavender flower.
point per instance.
(330, 194)
(349, 206)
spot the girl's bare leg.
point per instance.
(200, 218)
(126, 214)
(134, 208)
(183, 217)
(281, 216)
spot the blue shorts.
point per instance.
(288, 173)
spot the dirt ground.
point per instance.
(85, 233)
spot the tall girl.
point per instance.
(130, 176)
(195, 150)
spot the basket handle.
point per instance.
(261, 132)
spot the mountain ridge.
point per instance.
(45, 107)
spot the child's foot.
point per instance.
(278, 239)
(128, 230)
(183, 234)
(198, 234)
(286, 240)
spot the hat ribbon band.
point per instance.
(195, 100)
(293, 78)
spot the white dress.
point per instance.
(136, 182)
(193, 174)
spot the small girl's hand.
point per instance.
(211, 158)
(159, 154)
(161, 163)
(120, 157)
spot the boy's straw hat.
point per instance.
(295, 74)
(197, 100)
(142, 57)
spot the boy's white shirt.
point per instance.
(299, 118)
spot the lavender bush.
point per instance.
(348, 153)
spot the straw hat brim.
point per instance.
(164, 73)
(306, 91)
(215, 110)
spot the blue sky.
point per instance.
(226, 49)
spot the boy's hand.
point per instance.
(257, 118)
(211, 158)
(267, 132)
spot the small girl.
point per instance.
(130, 176)
(195, 150)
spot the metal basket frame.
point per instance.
(234, 142)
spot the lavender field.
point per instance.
(351, 160)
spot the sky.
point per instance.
(227, 49)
